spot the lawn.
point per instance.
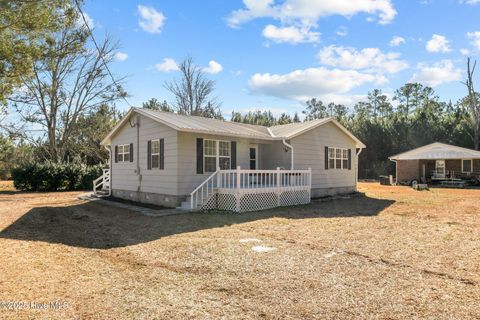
(394, 253)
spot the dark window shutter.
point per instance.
(149, 155)
(233, 154)
(116, 154)
(199, 155)
(349, 159)
(162, 154)
(326, 158)
(131, 152)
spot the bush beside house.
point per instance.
(50, 176)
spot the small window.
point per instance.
(337, 158)
(210, 155)
(224, 155)
(155, 154)
(123, 154)
(344, 159)
(331, 158)
(216, 154)
(467, 165)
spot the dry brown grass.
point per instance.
(394, 254)
(6, 185)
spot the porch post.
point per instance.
(238, 195)
(279, 186)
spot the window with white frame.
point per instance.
(155, 153)
(337, 158)
(123, 154)
(467, 165)
(216, 153)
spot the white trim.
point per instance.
(471, 165)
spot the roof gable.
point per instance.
(437, 150)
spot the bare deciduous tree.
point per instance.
(473, 104)
(193, 92)
(69, 80)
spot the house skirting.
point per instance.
(166, 200)
(324, 192)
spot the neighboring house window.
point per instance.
(216, 154)
(155, 153)
(467, 165)
(337, 158)
(123, 154)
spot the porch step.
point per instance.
(102, 193)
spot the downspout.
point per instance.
(109, 149)
(292, 162)
(356, 167)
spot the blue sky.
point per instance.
(273, 55)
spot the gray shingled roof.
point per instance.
(228, 128)
(439, 151)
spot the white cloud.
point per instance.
(167, 65)
(342, 31)
(312, 82)
(470, 1)
(464, 51)
(368, 59)
(121, 56)
(213, 67)
(475, 37)
(80, 22)
(308, 12)
(438, 73)
(438, 43)
(292, 34)
(396, 41)
(151, 20)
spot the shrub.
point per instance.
(50, 176)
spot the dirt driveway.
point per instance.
(394, 253)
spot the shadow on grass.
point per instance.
(94, 225)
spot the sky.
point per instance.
(276, 54)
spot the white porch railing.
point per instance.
(103, 181)
(240, 182)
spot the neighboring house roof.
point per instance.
(227, 128)
(437, 151)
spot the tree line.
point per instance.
(62, 98)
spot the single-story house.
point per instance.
(169, 159)
(437, 161)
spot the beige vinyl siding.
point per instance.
(124, 176)
(310, 153)
(156, 180)
(188, 179)
(274, 156)
(123, 173)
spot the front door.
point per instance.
(440, 168)
(253, 158)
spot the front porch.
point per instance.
(242, 190)
(437, 170)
